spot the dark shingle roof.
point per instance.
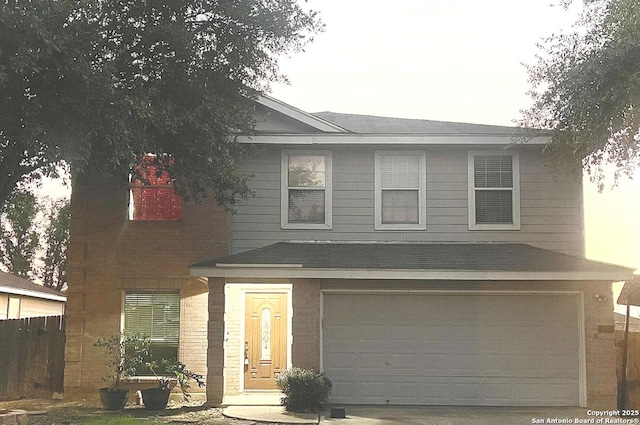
(10, 281)
(630, 292)
(370, 124)
(511, 257)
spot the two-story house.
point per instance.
(412, 261)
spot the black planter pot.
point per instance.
(155, 398)
(113, 399)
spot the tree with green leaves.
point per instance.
(99, 83)
(35, 236)
(20, 238)
(55, 239)
(586, 90)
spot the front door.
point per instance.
(265, 347)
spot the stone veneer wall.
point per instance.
(109, 254)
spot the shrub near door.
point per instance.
(305, 390)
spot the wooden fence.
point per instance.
(633, 368)
(31, 356)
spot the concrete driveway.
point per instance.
(451, 415)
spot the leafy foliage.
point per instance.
(20, 239)
(173, 369)
(124, 353)
(586, 89)
(53, 272)
(35, 235)
(99, 83)
(304, 390)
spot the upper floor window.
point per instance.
(153, 196)
(400, 181)
(306, 190)
(494, 191)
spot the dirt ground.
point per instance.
(57, 412)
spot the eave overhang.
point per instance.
(409, 261)
(391, 139)
(299, 272)
(34, 294)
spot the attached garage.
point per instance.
(454, 348)
(493, 324)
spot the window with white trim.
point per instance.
(494, 191)
(400, 197)
(306, 190)
(156, 315)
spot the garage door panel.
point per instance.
(467, 349)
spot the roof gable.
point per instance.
(277, 123)
(293, 118)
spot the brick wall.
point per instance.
(305, 351)
(108, 254)
(216, 326)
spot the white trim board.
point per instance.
(298, 271)
(34, 294)
(390, 139)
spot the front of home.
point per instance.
(412, 261)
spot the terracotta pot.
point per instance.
(113, 399)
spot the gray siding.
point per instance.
(551, 212)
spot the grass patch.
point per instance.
(116, 420)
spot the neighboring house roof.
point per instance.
(620, 319)
(386, 125)
(467, 261)
(12, 284)
(630, 293)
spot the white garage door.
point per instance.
(464, 349)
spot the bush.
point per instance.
(304, 390)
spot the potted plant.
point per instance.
(124, 353)
(172, 373)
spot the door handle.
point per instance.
(246, 353)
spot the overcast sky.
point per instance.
(454, 60)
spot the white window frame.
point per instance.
(422, 194)
(284, 191)
(153, 292)
(515, 191)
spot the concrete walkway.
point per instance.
(270, 414)
(415, 415)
